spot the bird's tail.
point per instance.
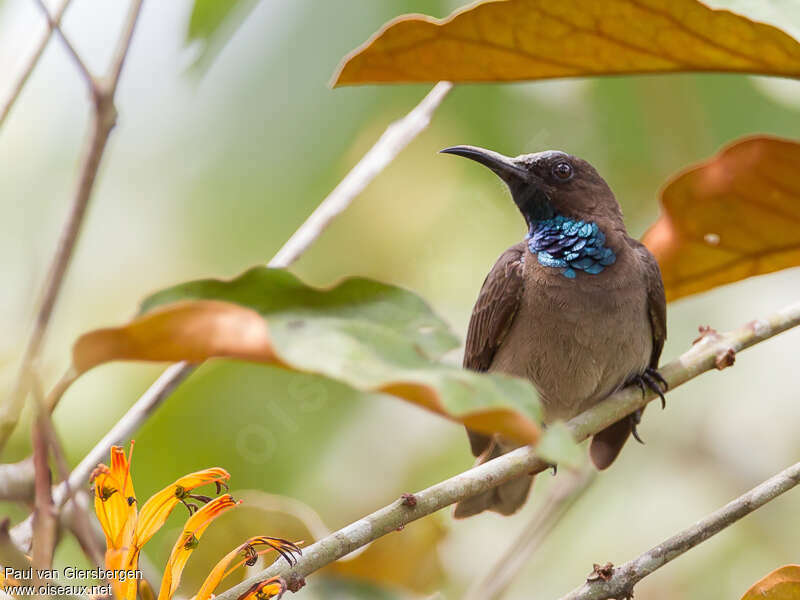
(607, 444)
(507, 497)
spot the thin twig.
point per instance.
(559, 501)
(16, 90)
(16, 481)
(396, 137)
(103, 121)
(54, 24)
(121, 52)
(45, 516)
(702, 357)
(79, 521)
(623, 578)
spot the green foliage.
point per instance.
(371, 336)
(214, 22)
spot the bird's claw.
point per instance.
(636, 418)
(652, 380)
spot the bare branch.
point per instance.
(45, 516)
(79, 522)
(100, 130)
(16, 480)
(103, 121)
(700, 358)
(624, 577)
(118, 60)
(396, 137)
(561, 498)
(54, 24)
(16, 90)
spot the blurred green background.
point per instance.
(221, 152)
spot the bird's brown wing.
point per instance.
(656, 302)
(606, 444)
(491, 319)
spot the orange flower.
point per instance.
(155, 511)
(249, 555)
(127, 529)
(188, 541)
(115, 506)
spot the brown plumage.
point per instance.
(577, 328)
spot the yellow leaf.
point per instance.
(732, 217)
(781, 584)
(537, 39)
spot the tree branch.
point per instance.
(16, 90)
(45, 516)
(54, 24)
(121, 52)
(623, 578)
(103, 121)
(79, 522)
(396, 137)
(16, 481)
(712, 351)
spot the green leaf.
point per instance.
(214, 22)
(369, 335)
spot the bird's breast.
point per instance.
(577, 340)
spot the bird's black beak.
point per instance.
(504, 167)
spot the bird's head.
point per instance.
(548, 183)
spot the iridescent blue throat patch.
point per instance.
(570, 245)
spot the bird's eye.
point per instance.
(562, 170)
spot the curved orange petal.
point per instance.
(155, 511)
(114, 500)
(188, 540)
(286, 549)
(271, 588)
(115, 506)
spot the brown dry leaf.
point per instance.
(538, 39)
(189, 330)
(781, 584)
(734, 216)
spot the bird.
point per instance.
(577, 307)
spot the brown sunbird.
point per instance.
(577, 307)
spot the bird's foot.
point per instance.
(636, 418)
(652, 380)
